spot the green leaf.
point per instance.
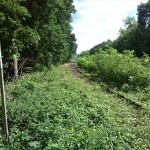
(34, 144)
(26, 138)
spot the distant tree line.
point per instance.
(37, 29)
(134, 36)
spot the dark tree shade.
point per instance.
(38, 29)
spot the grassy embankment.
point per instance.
(59, 111)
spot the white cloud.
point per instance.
(98, 20)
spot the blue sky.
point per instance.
(98, 20)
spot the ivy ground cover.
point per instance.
(57, 111)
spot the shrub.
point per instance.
(119, 69)
(87, 63)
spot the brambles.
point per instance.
(117, 69)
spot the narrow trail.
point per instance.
(122, 100)
(74, 70)
(80, 74)
(69, 110)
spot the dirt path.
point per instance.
(107, 89)
(135, 108)
(74, 71)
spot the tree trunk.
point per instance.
(15, 66)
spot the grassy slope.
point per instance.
(60, 111)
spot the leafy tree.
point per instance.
(127, 37)
(37, 29)
(103, 45)
(15, 34)
(144, 26)
(57, 44)
(136, 34)
(85, 53)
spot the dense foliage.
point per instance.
(134, 36)
(114, 62)
(37, 29)
(57, 111)
(144, 26)
(116, 68)
(60, 114)
(103, 45)
(128, 37)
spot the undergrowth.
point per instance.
(124, 72)
(57, 111)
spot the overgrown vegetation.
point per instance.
(124, 63)
(39, 30)
(59, 111)
(119, 69)
(53, 110)
(125, 72)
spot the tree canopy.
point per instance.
(37, 29)
(144, 26)
(134, 36)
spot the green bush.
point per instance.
(119, 69)
(87, 63)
